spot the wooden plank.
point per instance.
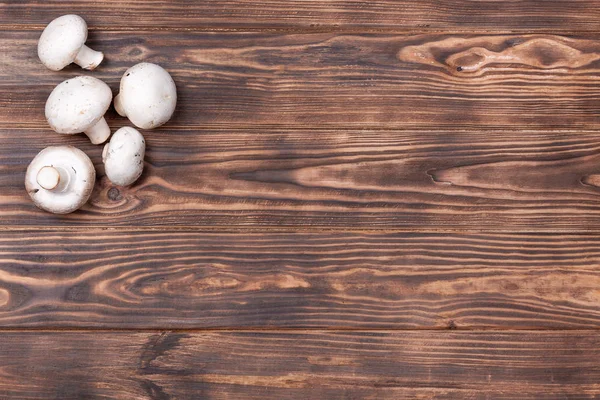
(304, 81)
(330, 179)
(299, 97)
(381, 15)
(300, 365)
(176, 279)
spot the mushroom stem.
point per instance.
(88, 58)
(53, 178)
(118, 106)
(99, 132)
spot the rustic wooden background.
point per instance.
(354, 200)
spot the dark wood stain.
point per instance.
(327, 80)
(313, 15)
(433, 180)
(300, 364)
(354, 200)
(183, 279)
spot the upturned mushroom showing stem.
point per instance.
(60, 179)
(78, 105)
(63, 42)
(53, 178)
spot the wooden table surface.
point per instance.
(384, 199)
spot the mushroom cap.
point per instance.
(61, 41)
(77, 104)
(75, 164)
(148, 95)
(123, 156)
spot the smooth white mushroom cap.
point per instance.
(147, 95)
(123, 156)
(78, 104)
(60, 179)
(63, 42)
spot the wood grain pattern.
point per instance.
(331, 179)
(300, 365)
(177, 279)
(331, 15)
(306, 93)
(306, 81)
(348, 193)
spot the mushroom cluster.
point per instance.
(60, 179)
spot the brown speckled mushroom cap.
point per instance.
(60, 179)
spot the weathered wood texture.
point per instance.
(325, 173)
(300, 365)
(331, 15)
(292, 131)
(334, 179)
(171, 279)
(340, 81)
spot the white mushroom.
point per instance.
(78, 105)
(123, 156)
(63, 42)
(147, 96)
(60, 179)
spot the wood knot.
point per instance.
(476, 54)
(591, 180)
(114, 194)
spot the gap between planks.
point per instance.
(492, 130)
(291, 230)
(267, 330)
(318, 29)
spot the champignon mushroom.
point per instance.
(78, 105)
(60, 179)
(63, 42)
(147, 96)
(123, 156)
